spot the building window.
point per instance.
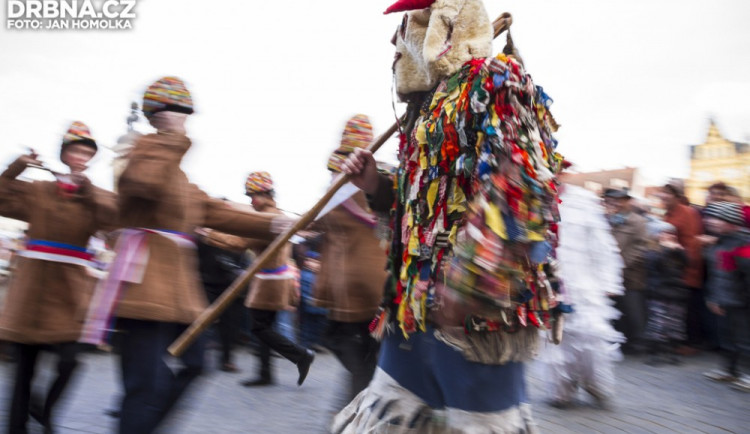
(593, 186)
(619, 183)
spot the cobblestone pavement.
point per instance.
(650, 400)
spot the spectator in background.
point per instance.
(629, 229)
(717, 192)
(312, 318)
(667, 296)
(687, 222)
(734, 196)
(728, 289)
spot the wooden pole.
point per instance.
(208, 316)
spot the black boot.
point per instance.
(303, 366)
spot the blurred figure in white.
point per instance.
(590, 268)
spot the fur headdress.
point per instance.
(433, 43)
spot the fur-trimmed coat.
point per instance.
(46, 300)
(272, 294)
(155, 193)
(352, 266)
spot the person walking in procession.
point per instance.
(590, 267)
(471, 209)
(271, 291)
(50, 290)
(153, 288)
(352, 275)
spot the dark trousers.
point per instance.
(270, 339)
(25, 366)
(312, 326)
(227, 325)
(356, 350)
(734, 335)
(152, 388)
(632, 323)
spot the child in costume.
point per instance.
(153, 288)
(50, 289)
(473, 207)
(350, 283)
(590, 267)
(271, 291)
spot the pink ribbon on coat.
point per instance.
(128, 266)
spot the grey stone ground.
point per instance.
(665, 399)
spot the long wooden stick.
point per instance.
(208, 316)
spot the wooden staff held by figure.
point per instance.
(501, 24)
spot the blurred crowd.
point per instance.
(686, 277)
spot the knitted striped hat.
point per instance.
(357, 134)
(258, 182)
(167, 94)
(79, 133)
(726, 211)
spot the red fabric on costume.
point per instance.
(408, 5)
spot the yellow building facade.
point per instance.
(718, 159)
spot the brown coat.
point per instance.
(47, 301)
(352, 266)
(688, 223)
(155, 193)
(631, 239)
(269, 294)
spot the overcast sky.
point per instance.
(634, 82)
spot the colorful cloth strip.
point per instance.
(476, 197)
(54, 251)
(128, 267)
